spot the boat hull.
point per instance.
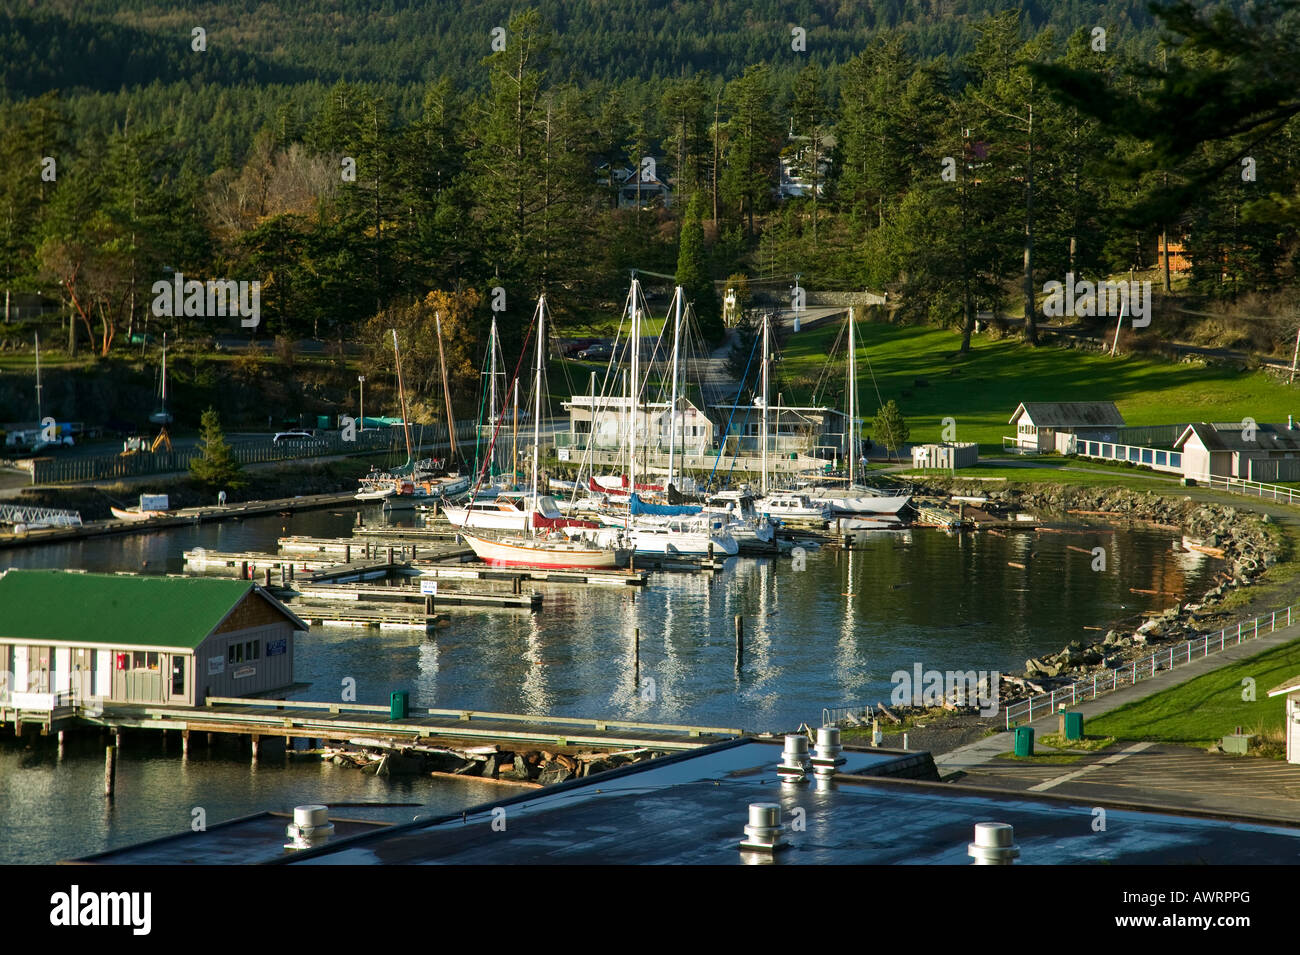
(135, 514)
(551, 556)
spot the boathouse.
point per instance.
(1291, 690)
(1038, 424)
(1245, 450)
(122, 638)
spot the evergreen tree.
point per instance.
(889, 428)
(215, 467)
(693, 273)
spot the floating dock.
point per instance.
(446, 596)
(346, 721)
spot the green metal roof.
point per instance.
(118, 610)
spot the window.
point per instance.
(253, 650)
(151, 660)
(235, 653)
(137, 660)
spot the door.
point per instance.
(177, 688)
(83, 673)
(38, 669)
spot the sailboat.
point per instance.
(855, 498)
(546, 547)
(162, 415)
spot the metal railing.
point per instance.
(1276, 492)
(468, 715)
(57, 470)
(1088, 689)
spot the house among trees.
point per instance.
(137, 639)
(636, 188)
(1038, 423)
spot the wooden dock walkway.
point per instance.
(344, 721)
(180, 518)
(446, 596)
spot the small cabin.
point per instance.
(1038, 423)
(123, 638)
(1291, 690)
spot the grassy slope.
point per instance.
(1204, 709)
(982, 391)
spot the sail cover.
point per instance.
(638, 506)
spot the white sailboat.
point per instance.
(546, 547)
(162, 415)
(856, 498)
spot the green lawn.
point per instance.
(1199, 712)
(982, 390)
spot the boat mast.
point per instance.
(514, 441)
(634, 392)
(537, 397)
(672, 414)
(492, 383)
(765, 363)
(39, 417)
(853, 400)
(164, 374)
(451, 420)
(401, 391)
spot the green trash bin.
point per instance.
(1074, 726)
(1024, 741)
(397, 704)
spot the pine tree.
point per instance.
(889, 428)
(693, 273)
(215, 467)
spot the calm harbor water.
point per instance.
(827, 635)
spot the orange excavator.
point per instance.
(136, 445)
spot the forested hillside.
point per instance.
(354, 157)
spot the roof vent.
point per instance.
(310, 827)
(763, 833)
(794, 759)
(994, 844)
(827, 755)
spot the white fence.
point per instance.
(1158, 459)
(1045, 704)
(1276, 492)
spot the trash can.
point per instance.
(1073, 725)
(1024, 741)
(397, 704)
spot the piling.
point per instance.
(243, 570)
(110, 770)
(412, 553)
(291, 573)
(358, 518)
(740, 640)
(256, 741)
(60, 744)
(117, 738)
(268, 577)
(284, 576)
(347, 553)
(636, 648)
(390, 553)
(428, 604)
(185, 744)
(209, 735)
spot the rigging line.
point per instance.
(735, 401)
(523, 352)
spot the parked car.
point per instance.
(578, 345)
(286, 436)
(600, 351)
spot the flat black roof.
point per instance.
(692, 810)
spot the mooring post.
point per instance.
(740, 640)
(268, 577)
(243, 570)
(428, 605)
(209, 741)
(367, 550)
(412, 553)
(291, 573)
(390, 553)
(110, 770)
(185, 744)
(284, 576)
(358, 518)
(60, 744)
(117, 737)
(347, 553)
(256, 741)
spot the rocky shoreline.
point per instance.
(1250, 544)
